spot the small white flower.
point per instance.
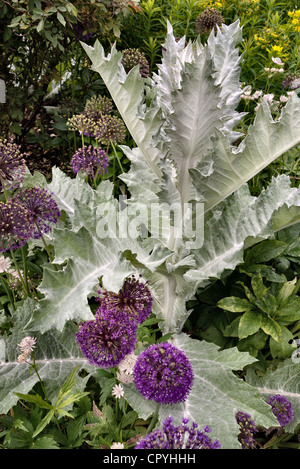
(124, 377)
(117, 446)
(27, 343)
(257, 94)
(277, 60)
(118, 391)
(269, 98)
(128, 363)
(283, 99)
(5, 264)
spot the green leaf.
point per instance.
(265, 251)
(44, 422)
(235, 304)
(61, 19)
(36, 399)
(284, 348)
(40, 26)
(272, 328)
(258, 287)
(250, 323)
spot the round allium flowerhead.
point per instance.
(14, 225)
(178, 437)
(108, 339)
(133, 57)
(82, 123)
(247, 430)
(281, 408)
(163, 373)
(109, 129)
(207, 20)
(97, 106)
(90, 160)
(12, 164)
(42, 208)
(134, 298)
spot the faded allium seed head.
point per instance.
(42, 209)
(164, 374)
(12, 164)
(134, 299)
(108, 339)
(133, 57)
(178, 437)
(90, 161)
(97, 106)
(282, 409)
(207, 20)
(82, 124)
(109, 129)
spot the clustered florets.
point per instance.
(164, 374)
(132, 57)
(12, 164)
(247, 430)
(134, 298)
(97, 122)
(207, 20)
(26, 346)
(91, 161)
(107, 339)
(28, 214)
(178, 437)
(282, 409)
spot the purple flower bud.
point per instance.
(163, 373)
(281, 408)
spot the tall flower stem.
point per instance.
(46, 246)
(116, 155)
(34, 366)
(26, 290)
(154, 419)
(25, 267)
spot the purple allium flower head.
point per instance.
(134, 298)
(247, 430)
(163, 373)
(132, 57)
(14, 222)
(90, 160)
(281, 408)
(178, 437)
(12, 164)
(108, 339)
(42, 208)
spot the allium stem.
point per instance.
(116, 155)
(46, 246)
(26, 290)
(9, 291)
(25, 267)
(154, 419)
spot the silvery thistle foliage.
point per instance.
(185, 152)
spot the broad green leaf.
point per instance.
(235, 304)
(284, 348)
(265, 251)
(217, 394)
(272, 328)
(250, 323)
